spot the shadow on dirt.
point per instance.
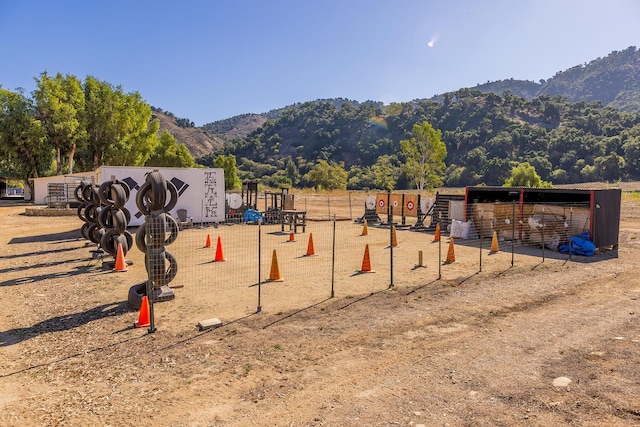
(52, 237)
(37, 278)
(39, 253)
(62, 323)
(296, 312)
(363, 298)
(533, 250)
(43, 265)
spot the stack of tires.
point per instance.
(113, 217)
(155, 198)
(87, 195)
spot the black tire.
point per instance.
(112, 219)
(136, 292)
(172, 271)
(141, 238)
(156, 265)
(173, 197)
(84, 230)
(104, 217)
(80, 212)
(119, 196)
(142, 199)
(129, 238)
(87, 194)
(110, 241)
(173, 229)
(120, 191)
(90, 214)
(94, 233)
(127, 215)
(77, 193)
(158, 189)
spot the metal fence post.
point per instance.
(333, 258)
(259, 309)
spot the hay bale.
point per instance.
(579, 220)
(483, 218)
(546, 209)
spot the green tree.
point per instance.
(525, 175)
(24, 151)
(385, 172)
(609, 168)
(170, 154)
(228, 164)
(292, 172)
(328, 176)
(360, 178)
(120, 131)
(425, 153)
(60, 108)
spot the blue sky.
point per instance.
(212, 59)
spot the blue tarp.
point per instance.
(253, 216)
(580, 245)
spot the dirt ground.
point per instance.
(490, 348)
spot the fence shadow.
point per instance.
(295, 312)
(37, 278)
(363, 298)
(62, 323)
(60, 237)
(39, 253)
(206, 331)
(414, 290)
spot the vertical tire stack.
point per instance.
(155, 198)
(88, 211)
(113, 217)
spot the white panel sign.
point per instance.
(200, 191)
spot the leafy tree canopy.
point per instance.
(525, 175)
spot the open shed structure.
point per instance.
(594, 210)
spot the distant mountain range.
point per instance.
(613, 80)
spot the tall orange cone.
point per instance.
(219, 255)
(143, 317)
(451, 256)
(494, 244)
(274, 274)
(292, 237)
(365, 231)
(366, 261)
(121, 264)
(208, 244)
(310, 250)
(436, 237)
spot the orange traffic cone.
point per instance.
(366, 261)
(310, 250)
(436, 237)
(292, 237)
(274, 274)
(121, 264)
(451, 256)
(365, 231)
(394, 239)
(219, 255)
(208, 244)
(143, 317)
(494, 244)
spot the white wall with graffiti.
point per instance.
(201, 190)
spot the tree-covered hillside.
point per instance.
(613, 80)
(485, 135)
